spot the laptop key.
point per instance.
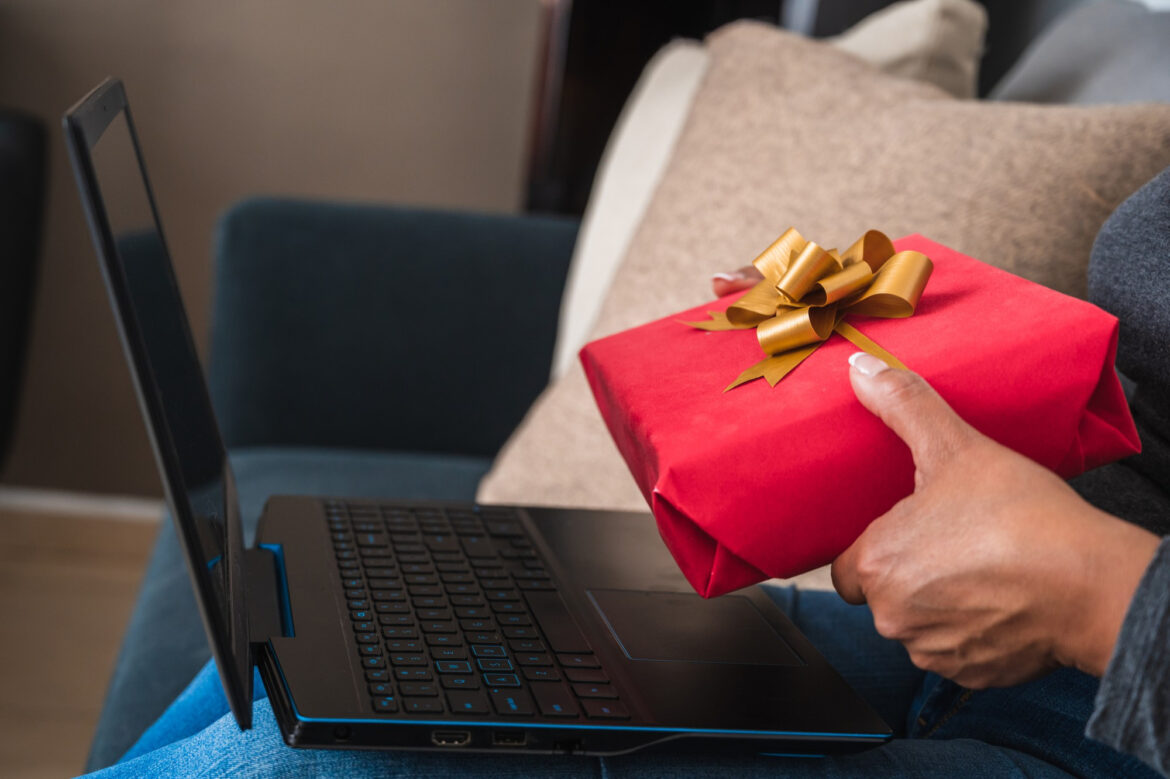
(534, 674)
(386, 704)
(396, 620)
(373, 662)
(533, 658)
(480, 650)
(472, 612)
(377, 674)
(391, 607)
(371, 539)
(399, 631)
(605, 709)
(579, 661)
(460, 682)
(465, 600)
(478, 546)
(367, 638)
(554, 700)
(511, 702)
(402, 659)
(444, 639)
(453, 666)
(513, 619)
(467, 702)
(418, 689)
(385, 584)
(442, 543)
(438, 626)
(381, 688)
(412, 674)
(504, 529)
(508, 607)
(594, 691)
(422, 705)
(483, 637)
(586, 675)
(526, 645)
(521, 632)
(449, 652)
(501, 680)
(404, 646)
(494, 664)
(478, 626)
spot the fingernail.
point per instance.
(728, 276)
(867, 364)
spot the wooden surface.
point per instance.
(68, 580)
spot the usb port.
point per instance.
(450, 738)
(509, 738)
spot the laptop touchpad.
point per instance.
(682, 627)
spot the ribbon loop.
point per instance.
(812, 264)
(808, 291)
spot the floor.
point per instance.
(73, 564)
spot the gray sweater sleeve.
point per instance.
(1132, 712)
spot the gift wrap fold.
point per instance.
(772, 481)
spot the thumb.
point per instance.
(911, 408)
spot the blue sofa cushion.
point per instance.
(1107, 52)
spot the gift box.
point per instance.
(771, 481)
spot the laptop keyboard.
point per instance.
(453, 612)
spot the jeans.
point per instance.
(1034, 729)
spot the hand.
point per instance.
(735, 281)
(994, 571)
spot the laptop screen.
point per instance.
(166, 368)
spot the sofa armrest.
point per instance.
(378, 327)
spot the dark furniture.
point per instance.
(22, 197)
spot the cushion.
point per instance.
(1106, 52)
(937, 41)
(786, 131)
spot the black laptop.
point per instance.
(440, 626)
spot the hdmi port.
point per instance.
(451, 738)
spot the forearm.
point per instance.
(1132, 711)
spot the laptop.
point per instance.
(380, 624)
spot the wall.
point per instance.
(409, 101)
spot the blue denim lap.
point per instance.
(1034, 729)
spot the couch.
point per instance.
(346, 339)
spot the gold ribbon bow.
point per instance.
(807, 292)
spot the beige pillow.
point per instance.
(936, 41)
(786, 131)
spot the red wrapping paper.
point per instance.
(747, 485)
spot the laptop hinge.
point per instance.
(269, 613)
